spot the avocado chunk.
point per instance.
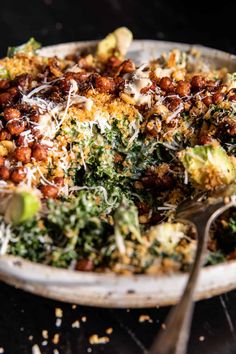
(116, 43)
(208, 166)
(22, 206)
(29, 47)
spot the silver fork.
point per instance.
(200, 211)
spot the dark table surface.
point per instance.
(24, 316)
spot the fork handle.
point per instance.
(174, 339)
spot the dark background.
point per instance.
(210, 23)
(53, 21)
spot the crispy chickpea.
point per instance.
(198, 82)
(231, 127)
(174, 103)
(11, 113)
(218, 97)
(39, 152)
(49, 191)
(59, 181)
(5, 135)
(84, 265)
(83, 63)
(13, 91)
(4, 173)
(23, 81)
(4, 84)
(119, 82)
(204, 139)
(211, 85)
(127, 66)
(2, 160)
(114, 62)
(18, 174)
(34, 118)
(143, 208)
(165, 83)
(104, 84)
(20, 141)
(16, 126)
(23, 154)
(183, 88)
(36, 133)
(207, 100)
(232, 98)
(5, 98)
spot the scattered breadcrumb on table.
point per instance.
(109, 330)
(56, 338)
(76, 324)
(58, 312)
(45, 334)
(35, 349)
(163, 326)
(95, 339)
(58, 322)
(145, 318)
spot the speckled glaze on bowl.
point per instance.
(111, 290)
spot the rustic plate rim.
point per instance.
(11, 267)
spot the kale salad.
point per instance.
(96, 153)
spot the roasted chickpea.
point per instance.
(11, 113)
(232, 98)
(13, 91)
(211, 85)
(104, 84)
(218, 97)
(173, 103)
(37, 133)
(39, 152)
(143, 208)
(23, 154)
(34, 118)
(127, 66)
(59, 181)
(4, 173)
(5, 135)
(5, 98)
(183, 88)
(204, 139)
(2, 161)
(207, 100)
(4, 84)
(23, 81)
(18, 175)
(49, 191)
(16, 126)
(198, 82)
(84, 265)
(114, 62)
(165, 83)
